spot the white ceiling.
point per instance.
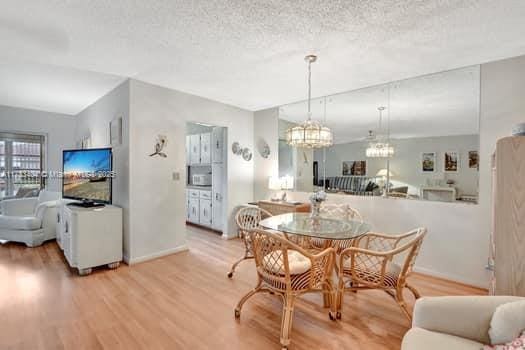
(250, 53)
(51, 88)
(441, 104)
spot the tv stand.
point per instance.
(91, 238)
(86, 204)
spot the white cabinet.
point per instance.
(217, 144)
(205, 212)
(193, 210)
(217, 195)
(198, 149)
(91, 236)
(205, 148)
(195, 149)
(199, 207)
(188, 149)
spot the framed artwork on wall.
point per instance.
(354, 168)
(84, 142)
(115, 132)
(428, 162)
(473, 159)
(451, 162)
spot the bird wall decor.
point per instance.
(159, 146)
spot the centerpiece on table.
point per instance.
(316, 199)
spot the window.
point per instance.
(21, 164)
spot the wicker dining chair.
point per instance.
(247, 218)
(287, 270)
(369, 265)
(336, 211)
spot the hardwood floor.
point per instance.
(177, 302)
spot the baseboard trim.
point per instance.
(451, 278)
(228, 237)
(133, 261)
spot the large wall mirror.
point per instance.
(430, 123)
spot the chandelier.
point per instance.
(311, 133)
(380, 146)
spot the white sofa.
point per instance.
(29, 220)
(458, 322)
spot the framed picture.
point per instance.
(85, 142)
(354, 168)
(451, 162)
(428, 162)
(115, 132)
(473, 159)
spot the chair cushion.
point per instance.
(418, 339)
(20, 222)
(516, 344)
(298, 263)
(507, 323)
(373, 276)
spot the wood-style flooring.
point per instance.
(182, 301)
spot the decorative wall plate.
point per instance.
(247, 154)
(236, 148)
(263, 148)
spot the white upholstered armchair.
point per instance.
(29, 220)
(453, 322)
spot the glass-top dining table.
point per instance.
(302, 224)
(305, 227)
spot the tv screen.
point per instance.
(87, 175)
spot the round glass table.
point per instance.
(302, 224)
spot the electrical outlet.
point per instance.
(175, 176)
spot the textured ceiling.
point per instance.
(250, 53)
(439, 104)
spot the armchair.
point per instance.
(247, 218)
(453, 322)
(287, 270)
(369, 265)
(29, 220)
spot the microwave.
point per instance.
(201, 179)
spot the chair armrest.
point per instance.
(322, 262)
(18, 207)
(42, 208)
(372, 260)
(463, 316)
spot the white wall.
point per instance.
(406, 163)
(157, 202)
(58, 128)
(264, 168)
(457, 244)
(94, 121)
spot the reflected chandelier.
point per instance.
(311, 133)
(380, 147)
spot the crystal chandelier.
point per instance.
(380, 147)
(311, 133)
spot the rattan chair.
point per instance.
(247, 218)
(369, 265)
(336, 211)
(271, 252)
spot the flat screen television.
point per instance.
(88, 175)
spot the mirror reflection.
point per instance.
(414, 139)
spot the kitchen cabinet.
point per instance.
(218, 141)
(205, 217)
(193, 210)
(195, 149)
(205, 148)
(217, 179)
